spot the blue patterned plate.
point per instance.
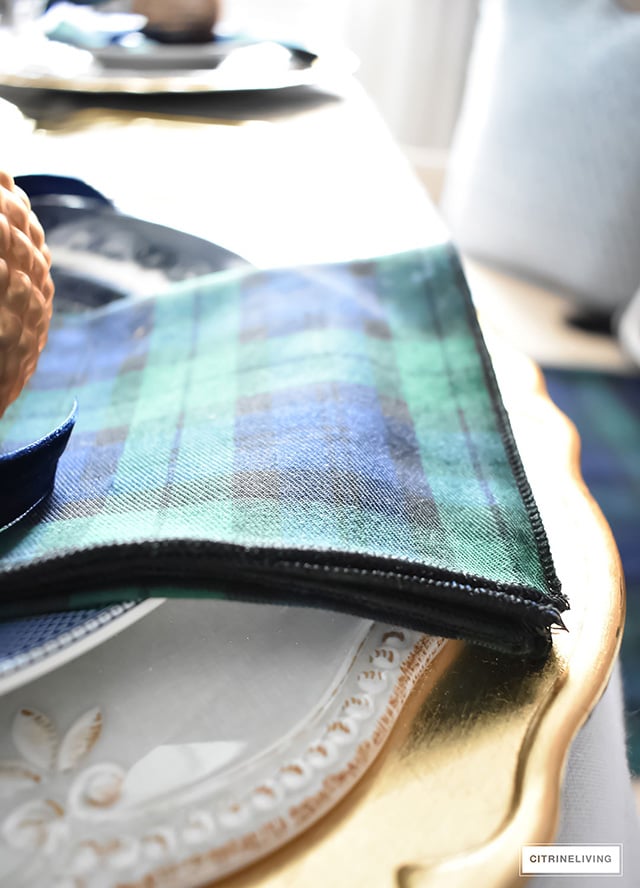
(32, 646)
(99, 255)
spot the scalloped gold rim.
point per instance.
(371, 837)
(580, 681)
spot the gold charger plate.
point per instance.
(474, 766)
(276, 747)
(301, 749)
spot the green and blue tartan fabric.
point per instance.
(329, 436)
(606, 410)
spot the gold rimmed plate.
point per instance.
(274, 746)
(31, 60)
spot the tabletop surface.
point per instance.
(316, 175)
(313, 176)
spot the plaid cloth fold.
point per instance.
(330, 436)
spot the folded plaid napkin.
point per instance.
(329, 436)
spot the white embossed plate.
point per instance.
(195, 742)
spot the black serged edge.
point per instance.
(508, 440)
(513, 619)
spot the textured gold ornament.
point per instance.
(26, 290)
(176, 22)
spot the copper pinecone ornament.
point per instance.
(26, 290)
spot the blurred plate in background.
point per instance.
(32, 60)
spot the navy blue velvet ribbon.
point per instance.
(44, 185)
(27, 475)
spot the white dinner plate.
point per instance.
(200, 739)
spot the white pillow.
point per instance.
(545, 171)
